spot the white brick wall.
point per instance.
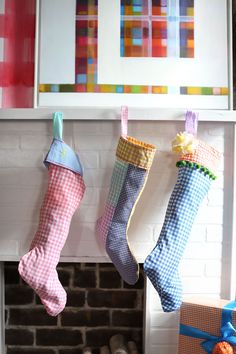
(23, 181)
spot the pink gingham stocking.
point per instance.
(64, 193)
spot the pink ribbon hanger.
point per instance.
(124, 121)
(191, 122)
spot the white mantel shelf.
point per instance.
(105, 113)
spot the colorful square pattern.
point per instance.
(134, 38)
(159, 7)
(149, 28)
(186, 7)
(165, 29)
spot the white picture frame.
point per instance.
(147, 102)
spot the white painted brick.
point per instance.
(192, 268)
(1, 49)
(198, 285)
(198, 233)
(10, 214)
(17, 158)
(147, 128)
(97, 178)
(163, 349)
(164, 162)
(140, 232)
(164, 336)
(86, 213)
(9, 247)
(9, 142)
(217, 142)
(91, 196)
(158, 197)
(140, 250)
(26, 127)
(89, 159)
(82, 234)
(80, 230)
(111, 128)
(214, 233)
(218, 130)
(37, 142)
(89, 142)
(22, 177)
(82, 249)
(155, 128)
(102, 197)
(86, 128)
(205, 202)
(209, 215)
(107, 159)
(23, 196)
(156, 302)
(149, 215)
(164, 319)
(219, 182)
(212, 268)
(203, 251)
(216, 197)
(21, 230)
(157, 231)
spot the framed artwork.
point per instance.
(141, 53)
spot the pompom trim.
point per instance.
(196, 166)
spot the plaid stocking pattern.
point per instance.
(64, 193)
(38, 266)
(193, 183)
(134, 159)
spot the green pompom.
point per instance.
(178, 163)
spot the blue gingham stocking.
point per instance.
(161, 265)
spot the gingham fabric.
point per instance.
(135, 152)
(204, 155)
(134, 159)
(116, 244)
(161, 266)
(38, 267)
(117, 181)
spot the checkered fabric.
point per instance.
(103, 224)
(161, 265)
(116, 244)
(135, 152)
(129, 176)
(204, 155)
(38, 267)
(117, 181)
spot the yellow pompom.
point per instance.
(184, 143)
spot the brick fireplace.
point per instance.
(99, 305)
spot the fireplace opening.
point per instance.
(99, 305)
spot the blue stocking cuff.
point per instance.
(61, 154)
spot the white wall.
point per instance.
(23, 179)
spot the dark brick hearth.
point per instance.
(99, 305)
